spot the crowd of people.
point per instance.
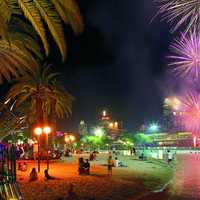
(84, 164)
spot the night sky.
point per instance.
(118, 63)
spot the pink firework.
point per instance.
(180, 12)
(190, 112)
(185, 55)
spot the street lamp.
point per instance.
(47, 131)
(38, 131)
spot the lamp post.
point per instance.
(38, 132)
(47, 131)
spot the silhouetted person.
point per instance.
(81, 165)
(87, 167)
(134, 151)
(110, 165)
(33, 175)
(47, 176)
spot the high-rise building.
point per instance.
(82, 129)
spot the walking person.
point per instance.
(110, 165)
(169, 157)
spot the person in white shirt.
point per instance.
(169, 157)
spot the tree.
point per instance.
(142, 139)
(43, 93)
(42, 14)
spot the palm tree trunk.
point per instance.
(39, 111)
(53, 121)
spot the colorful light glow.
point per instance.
(190, 109)
(99, 132)
(173, 102)
(194, 141)
(154, 127)
(185, 55)
(180, 12)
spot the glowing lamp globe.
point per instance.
(72, 138)
(47, 130)
(66, 139)
(38, 131)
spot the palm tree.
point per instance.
(47, 98)
(42, 14)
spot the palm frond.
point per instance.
(73, 15)
(32, 13)
(53, 21)
(15, 60)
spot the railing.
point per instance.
(8, 186)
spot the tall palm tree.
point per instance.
(42, 14)
(46, 97)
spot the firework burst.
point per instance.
(185, 55)
(190, 112)
(180, 12)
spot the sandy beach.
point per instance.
(132, 182)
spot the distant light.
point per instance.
(99, 132)
(153, 127)
(72, 138)
(173, 102)
(104, 113)
(111, 125)
(195, 141)
(82, 122)
(67, 139)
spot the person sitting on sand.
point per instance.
(47, 176)
(22, 166)
(33, 175)
(81, 166)
(87, 167)
(119, 163)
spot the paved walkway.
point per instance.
(186, 183)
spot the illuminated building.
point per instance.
(112, 127)
(82, 129)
